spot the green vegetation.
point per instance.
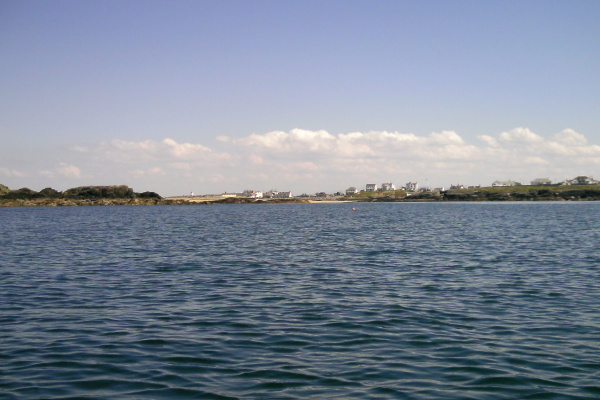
(3, 190)
(528, 189)
(124, 195)
(509, 193)
(525, 193)
(84, 195)
(395, 194)
(107, 196)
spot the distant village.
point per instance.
(410, 188)
(580, 188)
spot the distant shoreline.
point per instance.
(163, 202)
(123, 195)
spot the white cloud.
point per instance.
(254, 159)
(63, 170)
(446, 138)
(572, 144)
(184, 166)
(445, 156)
(374, 144)
(306, 166)
(520, 135)
(123, 152)
(304, 160)
(167, 150)
(147, 145)
(12, 172)
(296, 139)
(70, 171)
(354, 144)
(569, 137)
(535, 161)
(490, 141)
(138, 173)
(185, 150)
(157, 171)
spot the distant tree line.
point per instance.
(82, 192)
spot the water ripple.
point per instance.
(475, 301)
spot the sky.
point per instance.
(303, 96)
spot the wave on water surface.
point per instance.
(294, 301)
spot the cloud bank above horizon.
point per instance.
(309, 161)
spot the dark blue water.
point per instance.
(294, 301)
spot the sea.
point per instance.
(301, 301)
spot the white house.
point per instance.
(371, 187)
(351, 190)
(388, 186)
(505, 183)
(541, 182)
(283, 195)
(412, 186)
(582, 180)
(255, 194)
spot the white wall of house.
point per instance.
(582, 180)
(541, 182)
(255, 194)
(505, 183)
(412, 186)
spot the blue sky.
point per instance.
(296, 95)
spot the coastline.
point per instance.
(181, 202)
(125, 196)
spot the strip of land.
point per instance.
(124, 195)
